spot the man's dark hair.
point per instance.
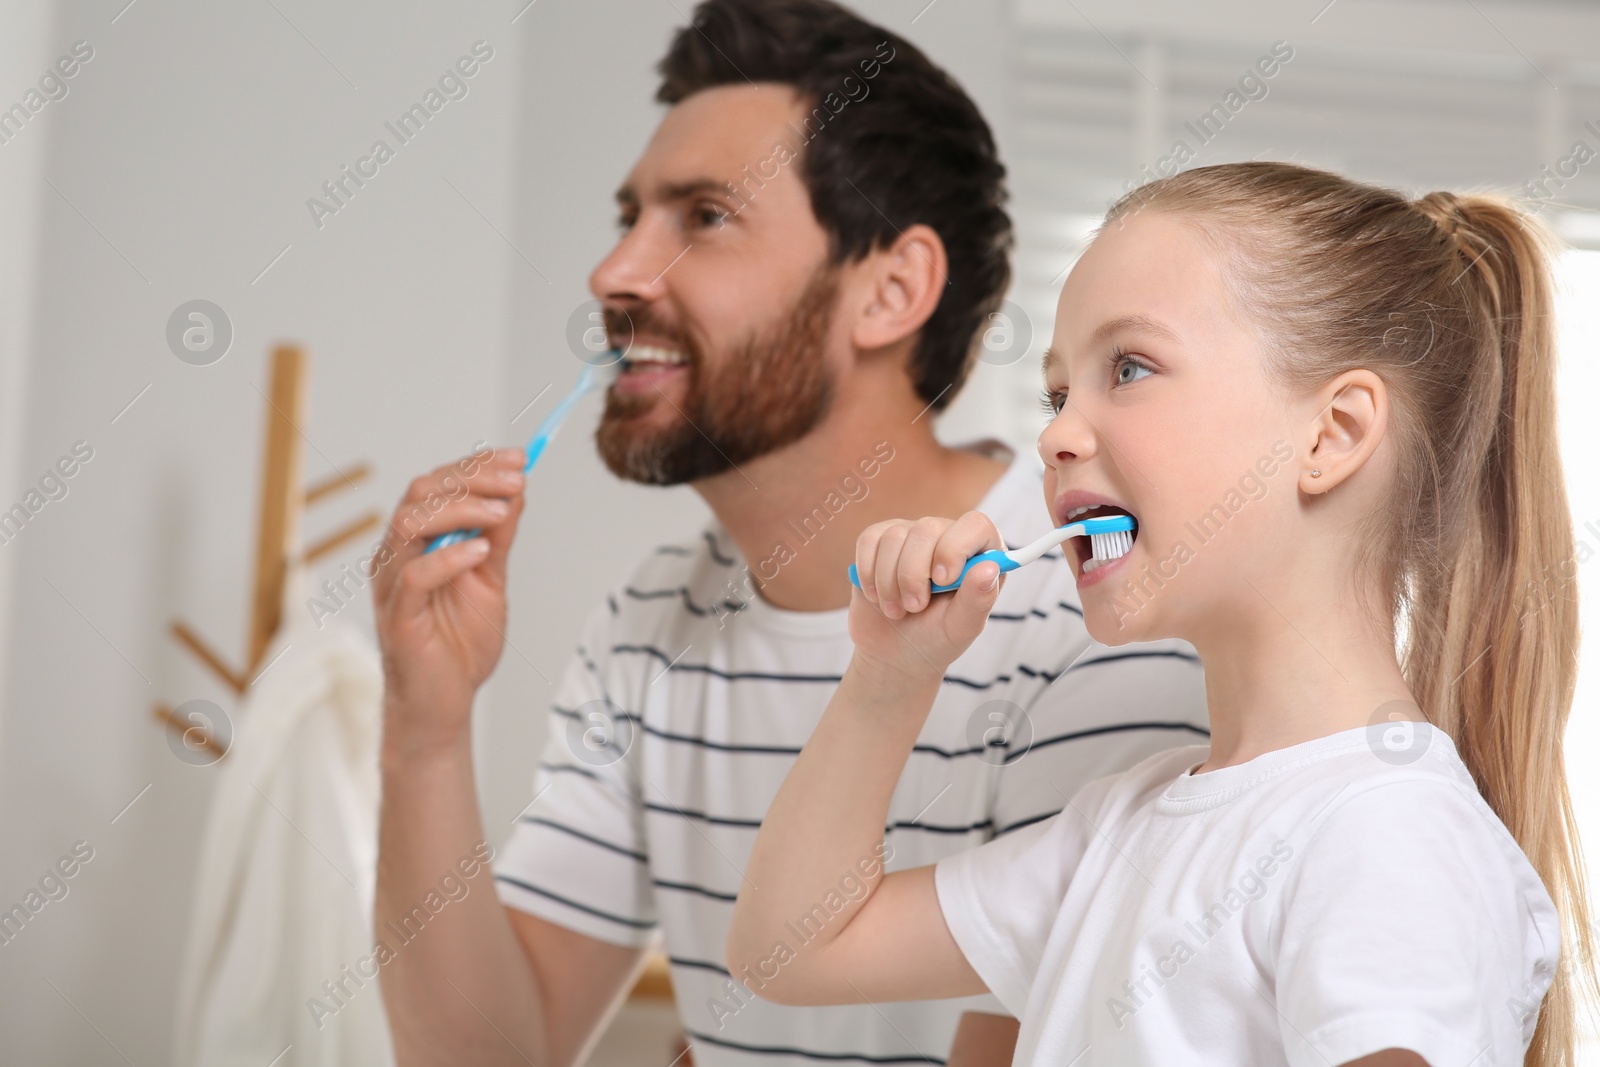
(912, 149)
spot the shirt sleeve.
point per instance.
(577, 855)
(1001, 899)
(1412, 920)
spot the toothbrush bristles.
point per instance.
(1110, 545)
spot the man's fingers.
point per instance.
(500, 536)
(409, 535)
(419, 577)
(433, 504)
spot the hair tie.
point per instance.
(1447, 219)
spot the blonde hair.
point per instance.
(1449, 300)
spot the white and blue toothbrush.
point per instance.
(594, 376)
(1109, 537)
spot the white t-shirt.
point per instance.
(711, 692)
(1311, 906)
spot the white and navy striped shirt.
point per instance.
(686, 703)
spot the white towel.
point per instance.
(287, 868)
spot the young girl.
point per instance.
(1330, 411)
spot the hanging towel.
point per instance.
(279, 956)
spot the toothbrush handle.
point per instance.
(994, 554)
(541, 438)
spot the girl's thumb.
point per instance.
(977, 594)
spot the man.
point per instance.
(812, 240)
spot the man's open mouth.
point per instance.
(652, 357)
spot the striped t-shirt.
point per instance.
(689, 698)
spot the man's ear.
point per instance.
(1348, 425)
(901, 285)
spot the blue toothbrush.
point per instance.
(593, 377)
(1109, 538)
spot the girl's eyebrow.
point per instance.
(1143, 323)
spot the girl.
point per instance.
(1331, 413)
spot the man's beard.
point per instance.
(766, 393)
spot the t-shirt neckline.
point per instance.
(1189, 793)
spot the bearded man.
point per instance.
(811, 243)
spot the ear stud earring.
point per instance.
(1316, 473)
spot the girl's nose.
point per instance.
(1068, 437)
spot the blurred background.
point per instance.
(175, 165)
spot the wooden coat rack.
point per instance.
(278, 540)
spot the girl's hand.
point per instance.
(898, 626)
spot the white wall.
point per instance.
(24, 33)
(183, 155)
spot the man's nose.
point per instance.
(634, 270)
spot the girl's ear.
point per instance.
(1352, 417)
(905, 281)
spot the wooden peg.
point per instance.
(343, 480)
(349, 532)
(236, 680)
(166, 715)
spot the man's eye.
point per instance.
(710, 215)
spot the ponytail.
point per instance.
(1492, 654)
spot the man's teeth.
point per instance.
(652, 354)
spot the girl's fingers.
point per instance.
(916, 562)
(896, 560)
(969, 535)
(886, 568)
(972, 601)
(867, 547)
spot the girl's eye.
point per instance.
(1120, 362)
(1052, 403)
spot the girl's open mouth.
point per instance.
(1082, 547)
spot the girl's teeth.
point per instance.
(1092, 565)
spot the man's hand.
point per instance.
(898, 626)
(441, 617)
